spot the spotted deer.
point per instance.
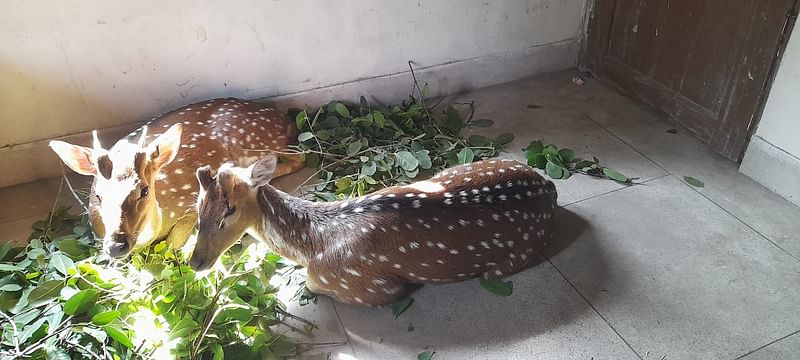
(486, 218)
(143, 188)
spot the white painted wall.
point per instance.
(773, 156)
(780, 123)
(67, 67)
(71, 66)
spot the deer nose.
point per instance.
(198, 264)
(117, 246)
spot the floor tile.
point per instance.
(683, 155)
(555, 121)
(683, 279)
(784, 349)
(328, 336)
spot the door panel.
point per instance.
(703, 63)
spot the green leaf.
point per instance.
(425, 90)
(550, 149)
(426, 355)
(583, 164)
(10, 287)
(537, 160)
(379, 118)
(484, 123)
(61, 262)
(368, 169)
(118, 335)
(28, 330)
(305, 136)
(406, 160)
(4, 250)
(614, 175)
(424, 159)
(556, 171)
(504, 138)
(45, 291)
(535, 147)
(401, 305)
(694, 182)
(106, 317)
(74, 248)
(98, 334)
(312, 160)
(566, 155)
(216, 349)
(56, 353)
(497, 287)
(478, 140)
(466, 156)
(342, 110)
(353, 148)
(80, 302)
(9, 267)
(300, 119)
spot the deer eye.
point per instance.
(229, 211)
(144, 192)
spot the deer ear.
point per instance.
(263, 170)
(80, 159)
(164, 148)
(204, 177)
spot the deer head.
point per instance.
(123, 205)
(226, 205)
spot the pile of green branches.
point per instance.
(60, 298)
(360, 148)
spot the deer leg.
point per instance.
(517, 261)
(182, 229)
(389, 290)
(288, 165)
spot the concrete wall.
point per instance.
(773, 156)
(71, 66)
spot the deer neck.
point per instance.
(286, 224)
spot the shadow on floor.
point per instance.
(464, 314)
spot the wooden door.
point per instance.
(706, 64)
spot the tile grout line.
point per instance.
(587, 116)
(615, 190)
(676, 176)
(344, 329)
(765, 345)
(739, 220)
(608, 323)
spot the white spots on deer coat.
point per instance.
(324, 280)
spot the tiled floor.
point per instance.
(660, 270)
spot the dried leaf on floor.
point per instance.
(694, 182)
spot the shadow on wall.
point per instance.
(465, 315)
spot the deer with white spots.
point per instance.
(487, 218)
(144, 187)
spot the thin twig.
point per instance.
(13, 328)
(71, 189)
(292, 327)
(295, 317)
(85, 349)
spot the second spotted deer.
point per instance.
(482, 219)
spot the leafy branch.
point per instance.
(360, 148)
(562, 163)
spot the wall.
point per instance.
(773, 156)
(71, 66)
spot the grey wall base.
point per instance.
(774, 168)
